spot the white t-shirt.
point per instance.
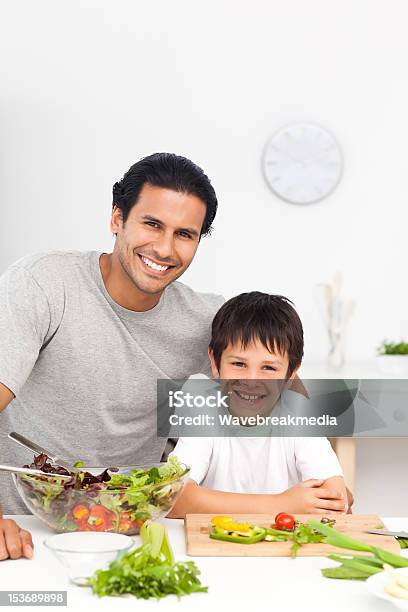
(255, 464)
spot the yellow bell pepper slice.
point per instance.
(227, 523)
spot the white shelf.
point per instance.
(357, 369)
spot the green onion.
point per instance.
(356, 564)
(344, 573)
(389, 557)
(369, 560)
(338, 539)
(358, 567)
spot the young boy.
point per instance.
(258, 337)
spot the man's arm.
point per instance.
(307, 497)
(25, 321)
(6, 396)
(14, 542)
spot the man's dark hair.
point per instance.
(169, 171)
(248, 317)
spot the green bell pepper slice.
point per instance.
(257, 534)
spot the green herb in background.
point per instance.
(148, 571)
(393, 348)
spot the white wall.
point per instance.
(381, 477)
(88, 87)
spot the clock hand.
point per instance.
(318, 155)
(287, 154)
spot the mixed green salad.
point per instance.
(109, 501)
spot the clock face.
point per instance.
(302, 163)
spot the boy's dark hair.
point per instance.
(271, 319)
(169, 171)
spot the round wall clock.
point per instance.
(302, 163)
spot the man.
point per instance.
(85, 336)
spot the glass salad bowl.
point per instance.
(117, 500)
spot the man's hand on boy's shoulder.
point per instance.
(315, 496)
(14, 541)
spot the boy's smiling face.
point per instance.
(254, 377)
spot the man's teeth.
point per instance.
(248, 397)
(154, 265)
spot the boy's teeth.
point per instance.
(153, 265)
(248, 397)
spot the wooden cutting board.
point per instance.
(199, 544)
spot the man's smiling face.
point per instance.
(159, 239)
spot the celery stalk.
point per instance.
(167, 549)
(156, 534)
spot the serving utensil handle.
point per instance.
(32, 446)
(18, 470)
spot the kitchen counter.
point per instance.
(273, 583)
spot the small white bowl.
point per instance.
(82, 553)
(375, 585)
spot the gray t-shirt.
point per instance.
(83, 368)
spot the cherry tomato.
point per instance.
(83, 526)
(285, 521)
(100, 518)
(279, 515)
(125, 523)
(80, 512)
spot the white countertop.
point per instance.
(269, 583)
